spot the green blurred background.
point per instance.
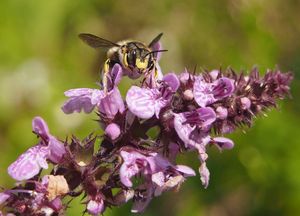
(41, 57)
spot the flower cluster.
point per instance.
(191, 113)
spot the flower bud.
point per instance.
(172, 80)
(95, 207)
(188, 95)
(184, 77)
(113, 131)
(246, 103)
(214, 74)
(221, 112)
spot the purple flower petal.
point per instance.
(78, 92)
(222, 88)
(29, 163)
(223, 143)
(157, 163)
(115, 76)
(131, 74)
(141, 102)
(159, 104)
(208, 93)
(40, 127)
(159, 181)
(183, 130)
(187, 171)
(56, 204)
(112, 103)
(56, 150)
(158, 178)
(157, 46)
(207, 116)
(203, 92)
(172, 80)
(127, 172)
(186, 123)
(130, 167)
(82, 99)
(3, 197)
(145, 102)
(77, 105)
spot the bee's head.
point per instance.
(138, 57)
(135, 57)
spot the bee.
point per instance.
(135, 57)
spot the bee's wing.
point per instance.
(155, 40)
(96, 42)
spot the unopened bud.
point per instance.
(113, 131)
(188, 95)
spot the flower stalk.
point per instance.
(192, 112)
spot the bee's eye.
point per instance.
(131, 58)
(133, 55)
(133, 52)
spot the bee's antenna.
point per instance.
(155, 51)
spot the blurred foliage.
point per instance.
(41, 57)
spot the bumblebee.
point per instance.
(135, 57)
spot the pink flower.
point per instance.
(30, 162)
(208, 93)
(109, 103)
(95, 207)
(146, 102)
(159, 175)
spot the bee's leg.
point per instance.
(105, 74)
(155, 73)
